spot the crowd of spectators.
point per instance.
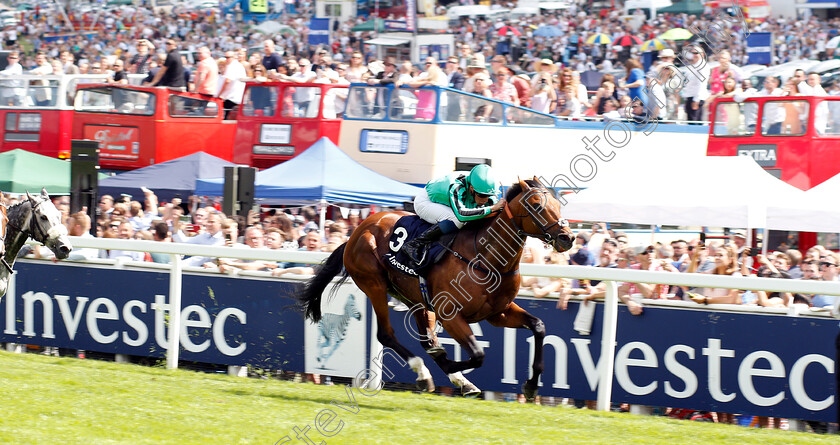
(602, 247)
(211, 53)
(194, 223)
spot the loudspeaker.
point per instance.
(84, 177)
(238, 196)
(245, 191)
(229, 206)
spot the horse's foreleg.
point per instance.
(516, 317)
(460, 330)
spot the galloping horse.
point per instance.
(36, 218)
(476, 281)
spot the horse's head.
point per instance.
(45, 225)
(536, 212)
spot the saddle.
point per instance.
(407, 228)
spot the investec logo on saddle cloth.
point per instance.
(407, 228)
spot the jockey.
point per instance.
(449, 202)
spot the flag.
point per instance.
(319, 31)
(760, 48)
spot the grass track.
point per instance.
(64, 400)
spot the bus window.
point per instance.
(260, 101)
(180, 106)
(42, 93)
(519, 116)
(735, 119)
(115, 100)
(418, 105)
(785, 118)
(482, 110)
(827, 118)
(367, 102)
(304, 100)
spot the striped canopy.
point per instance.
(599, 39)
(653, 45)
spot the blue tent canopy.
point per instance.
(321, 172)
(167, 179)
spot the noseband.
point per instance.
(544, 235)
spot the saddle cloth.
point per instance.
(407, 228)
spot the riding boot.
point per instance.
(416, 248)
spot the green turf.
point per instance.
(49, 400)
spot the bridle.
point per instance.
(35, 231)
(544, 235)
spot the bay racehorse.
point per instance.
(36, 218)
(479, 283)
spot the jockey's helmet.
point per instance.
(482, 180)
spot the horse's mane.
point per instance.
(516, 189)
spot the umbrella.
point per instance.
(548, 31)
(507, 30)
(273, 27)
(833, 43)
(676, 34)
(599, 39)
(653, 45)
(376, 24)
(627, 40)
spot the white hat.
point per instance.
(667, 52)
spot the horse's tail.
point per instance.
(310, 298)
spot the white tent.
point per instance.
(711, 191)
(815, 211)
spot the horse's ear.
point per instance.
(29, 197)
(44, 193)
(524, 185)
(536, 180)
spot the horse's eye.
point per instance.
(44, 218)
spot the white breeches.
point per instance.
(433, 212)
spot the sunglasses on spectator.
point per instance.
(649, 251)
(827, 263)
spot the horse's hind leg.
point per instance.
(376, 291)
(516, 317)
(429, 341)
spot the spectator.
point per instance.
(78, 224)
(502, 89)
(233, 88)
(125, 231)
(12, 91)
(119, 77)
(140, 63)
(207, 74)
(726, 263)
(161, 234)
(696, 90)
(211, 236)
(171, 73)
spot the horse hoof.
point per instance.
(426, 385)
(470, 391)
(529, 391)
(435, 351)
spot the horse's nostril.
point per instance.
(64, 249)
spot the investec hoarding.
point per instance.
(224, 320)
(752, 363)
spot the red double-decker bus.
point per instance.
(140, 126)
(795, 138)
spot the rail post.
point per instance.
(174, 311)
(606, 362)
